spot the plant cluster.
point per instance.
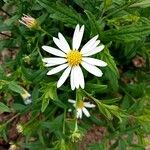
(101, 99)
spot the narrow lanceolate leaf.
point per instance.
(96, 27)
(106, 56)
(111, 71)
(142, 4)
(96, 87)
(128, 33)
(50, 93)
(62, 12)
(13, 86)
(4, 108)
(45, 103)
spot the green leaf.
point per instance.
(128, 33)
(111, 101)
(143, 4)
(144, 118)
(4, 108)
(15, 87)
(50, 93)
(122, 144)
(6, 43)
(45, 103)
(55, 125)
(33, 75)
(111, 71)
(62, 12)
(4, 27)
(107, 3)
(59, 104)
(95, 87)
(106, 56)
(96, 27)
(18, 107)
(110, 110)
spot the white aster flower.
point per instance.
(72, 58)
(81, 107)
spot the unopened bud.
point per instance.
(19, 128)
(26, 97)
(29, 21)
(13, 147)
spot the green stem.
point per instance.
(91, 97)
(31, 120)
(38, 50)
(39, 53)
(11, 119)
(64, 122)
(41, 29)
(76, 125)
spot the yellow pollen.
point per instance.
(80, 104)
(74, 58)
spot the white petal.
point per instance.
(89, 44)
(55, 60)
(94, 51)
(57, 69)
(76, 77)
(80, 77)
(77, 37)
(65, 43)
(51, 65)
(79, 113)
(94, 45)
(22, 23)
(61, 45)
(72, 79)
(94, 61)
(89, 105)
(54, 51)
(63, 77)
(92, 69)
(85, 111)
(71, 101)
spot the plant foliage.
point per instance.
(121, 95)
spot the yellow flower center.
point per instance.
(74, 58)
(80, 104)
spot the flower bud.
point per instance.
(13, 147)
(76, 136)
(26, 97)
(29, 21)
(19, 128)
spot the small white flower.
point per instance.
(81, 107)
(70, 59)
